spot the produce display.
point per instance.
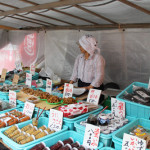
(108, 122)
(6, 88)
(69, 100)
(27, 133)
(33, 99)
(5, 105)
(139, 95)
(68, 144)
(142, 133)
(53, 99)
(12, 117)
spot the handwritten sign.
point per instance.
(12, 98)
(32, 69)
(15, 79)
(28, 109)
(117, 108)
(18, 65)
(91, 136)
(55, 120)
(133, 143)
(149, 83)
(68, 90)
(93, 96)
(3, 75)
(28, 79)
(49, 86)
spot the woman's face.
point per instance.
(82, 49)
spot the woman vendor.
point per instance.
(89, 66)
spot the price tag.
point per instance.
(91, 136)
(32, 69)
(18, 65)
(133, 143)
(49, 86)
(3, 75)
(68, 90)
(15, 79)
(93, 96)
(117, 108)
(149, 83)
(55, 120)
(28, 79)
(12, 98)
(28, 109)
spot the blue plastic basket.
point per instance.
(70, 122)
(16, 146)
(132, 108)
(63, 136)
(107, 148)
(118, 136)
(106, 139)
(6, 82)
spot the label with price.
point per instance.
(15, 79)
(49, 86)
(93, 96)
(28, 109)
(3, 75)
(32, 69)
(28, 79)
(55, 120)
(68, 90)
(12, 98)
(18, 65)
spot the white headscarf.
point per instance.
(89, 43)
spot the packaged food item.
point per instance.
(14, 137)
(32, 130)
(35, 122)
(21, 137)
(25, 128)
(24, 119)
(92, 119)
(14, 133)
(37, 132)
(56, 146)
(12, 121)
(27, 140)
(10, 130)
(41, 134)
(39, 146)
(76, 144)
(2, 124)
(43, 127)
(66, 147)
(68, 141)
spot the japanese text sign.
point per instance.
(32, 69)
(91, 136)
(55, 120)
(49, 86)
(3, 75)
(133, 143)
(68, 90)
(18, 65)
(15, 79)
(93, 96)
(28, 79)
(149, 83)
(117, 108)
(12, 98)
(28, 109)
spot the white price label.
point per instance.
(32, 69)
(12, 98)
(18, 65)
(133, 143)
(49, 86)
(93, 96)
(28, 109)
(149, 83)
(28, 79)
(55, 120)
(91, 136)
(117, 108)
(68, 90)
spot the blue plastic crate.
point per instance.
(132, 108)
(106, 139)
(107, 148)
(16, 146)
(70, 122)
(6, 82)
(63, 136)
(118, 136)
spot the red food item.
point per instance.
(12, 121)
(68, 141)
(24, 119)
(40, 146)
(58, 145)
(2, 124)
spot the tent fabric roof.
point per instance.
(74, 14)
